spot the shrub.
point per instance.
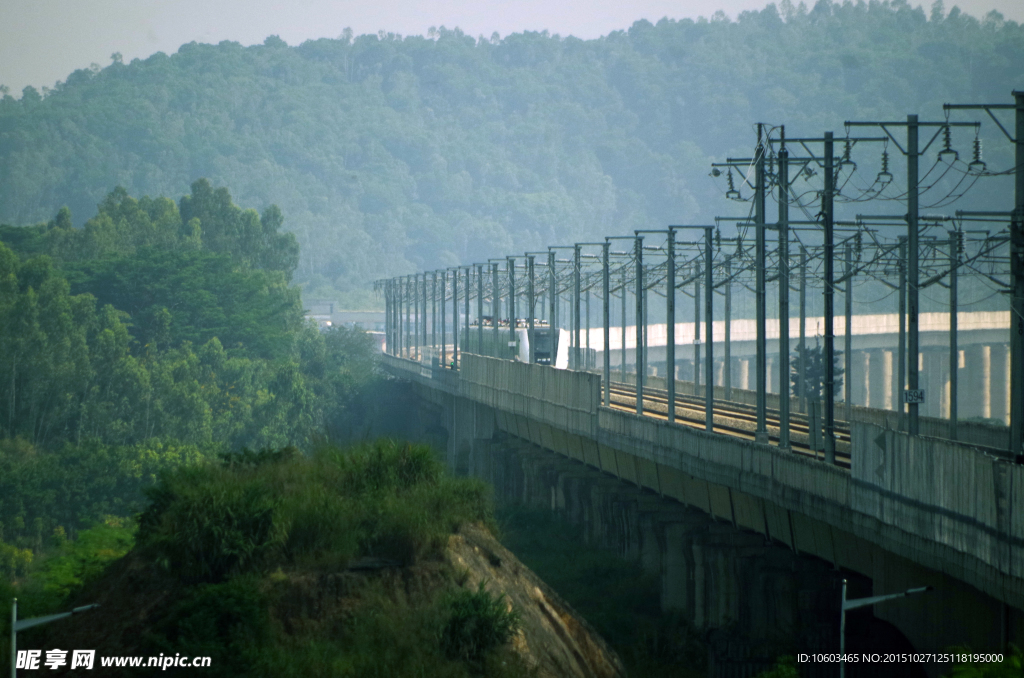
(477, 623)
(206, 523)
(227, 622)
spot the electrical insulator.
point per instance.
(846, 156)
(718, 237)
(977, 164)
(947, 142)
(960, 241)
(858, 244)
(732, 193)
(884, 177)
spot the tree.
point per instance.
(814, 376)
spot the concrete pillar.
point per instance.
(999, 374)
(974, 398)
(676, 573)
(880, 379)
(860, 384)
(719, 373)
(700, 588)
(773, 374)
(650, 545)
(743, 382)
(933, 383)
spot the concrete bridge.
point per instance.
(747, 535)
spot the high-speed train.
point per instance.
(550, 346)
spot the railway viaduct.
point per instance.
(746, 535)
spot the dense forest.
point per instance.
(392, 154)
(161, 333)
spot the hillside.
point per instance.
(391, 154)
(368, 561)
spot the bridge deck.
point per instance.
(941, 504)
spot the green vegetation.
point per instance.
(207, 522)
(616, 597)
(477, 624)
(814, 375)
(145, 345)
(785, 667)
(239, 549)
(153, 337)
(392, 154)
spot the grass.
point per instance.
(384, 500)
(251, 554)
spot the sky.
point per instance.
(43, 41)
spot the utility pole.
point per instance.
(424, 291)
(552, 301)
(388, 319)
(901, 381)
(801, 386)
(606, 279)
(670, 323)
(398, 316)
(444, 346)
(455, 317)
(480, 309)
(496, 310)
(954, 351)
(728, 330)
(511, 264)
(913, 154)
(827, 204)
(414, 320)
(913, 349)
(709, 389)
(433, 318)
(531, 301)
(848, 337)
(575, 363)
(1016, 442)
(640, 366)
(784, 389)
(761, 432)
(696, 331)
(469, 288)
(1016, 446)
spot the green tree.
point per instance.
(813, 358)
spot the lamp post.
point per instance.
(23, 624)
(864, 602)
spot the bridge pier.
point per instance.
(860, 383)
(880, 376)
(744, 533)
(999, 369)
(976, 394)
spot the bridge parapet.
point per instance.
(941, 504)
(941, 491)
(565, 399)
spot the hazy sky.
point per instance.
(42, 41)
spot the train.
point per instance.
(550, 346)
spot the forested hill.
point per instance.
(388, 154)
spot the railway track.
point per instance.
(729, 418)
